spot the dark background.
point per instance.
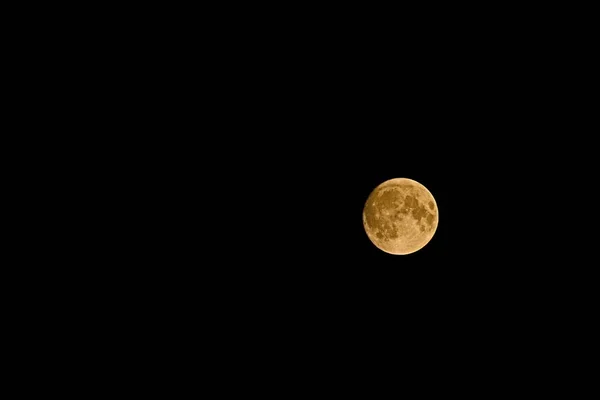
(241, 156)
(289, 131)
(199, 178)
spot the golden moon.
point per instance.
(400, 216)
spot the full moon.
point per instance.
(400, 216)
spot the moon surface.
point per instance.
(400, 216)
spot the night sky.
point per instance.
(216, 172)
(269, 174)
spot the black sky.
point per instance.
(268, 154)
(218, 171)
